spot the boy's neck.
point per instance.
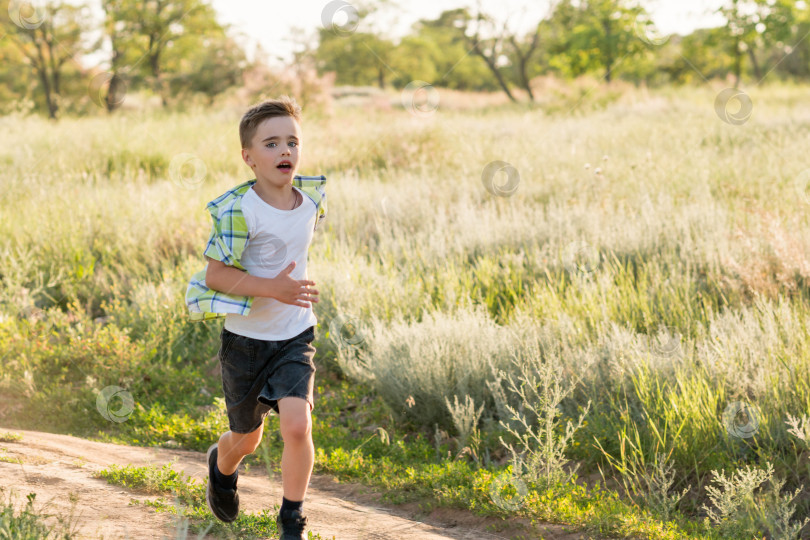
(281, 197)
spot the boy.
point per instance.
(256, 278)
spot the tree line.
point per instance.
(175, 49)
(468, 49)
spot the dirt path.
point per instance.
(53, 466)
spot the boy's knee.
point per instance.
(295, 418)
(248, 442)
(297, 429)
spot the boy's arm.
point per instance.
(221, 277)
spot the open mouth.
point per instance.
(285, 166)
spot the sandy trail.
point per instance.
(53, 466)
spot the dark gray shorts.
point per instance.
(257, 373)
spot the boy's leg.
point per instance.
(232, 447)
(298, 456)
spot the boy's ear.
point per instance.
(246, 157)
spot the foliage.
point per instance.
(48, 36)
(175, 47)
(28, 522)
(597, 34)
(540, 391)
(188, 502)
(674, 299)
(738, 511)
(178, 53)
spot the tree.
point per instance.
(504, 48)
(455, 63)
(357, 58)
(592, 35)
(524, 51)
(16, 81)
(114, 15)
(414, 60)
(756, 25)
(48, 37)
(741, 23)
(491, 49)
(209, 68)
(792, 53)
(152, 41)
(437, 52)
(699, 56)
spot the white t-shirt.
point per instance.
(275, 239)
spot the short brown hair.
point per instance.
(283, 106)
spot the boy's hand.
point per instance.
(283, 288)
(293, 291)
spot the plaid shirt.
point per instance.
(229, 235)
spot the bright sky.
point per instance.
(276, 26)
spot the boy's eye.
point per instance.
(272, 144)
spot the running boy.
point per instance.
(256, 277)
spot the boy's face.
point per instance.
(275, 151)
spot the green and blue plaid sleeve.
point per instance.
(204, 303)
(313, 187)
(229, 234)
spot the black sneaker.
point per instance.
(223, 503)
(291, 525)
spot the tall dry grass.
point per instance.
(658, 254)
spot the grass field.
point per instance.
(642, 278)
